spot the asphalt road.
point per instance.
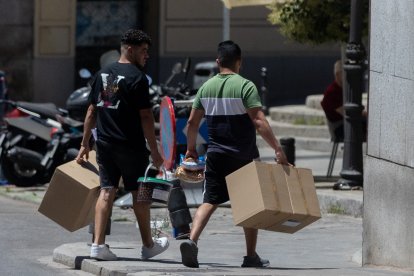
(27, 240)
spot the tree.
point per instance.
(315, 21)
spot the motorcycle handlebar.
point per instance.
(10, 102)
(176, 92)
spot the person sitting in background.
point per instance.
(332, 104)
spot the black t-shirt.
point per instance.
(120, 91)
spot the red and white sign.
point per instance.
(167, 132)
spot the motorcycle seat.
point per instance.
(45, 110)
(69, 121)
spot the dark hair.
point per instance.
(228, 53)
(135, 37)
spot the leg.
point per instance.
(201, 218)
(189, 249)
(109, 176)
(250, 234)
(99, 250)
(215, 192)
(102, 210)
(151, 247)
(252, 259)
(143, 215)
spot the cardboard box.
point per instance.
(273, 197)
(72, 193)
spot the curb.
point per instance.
(31, 194)
(349, 203)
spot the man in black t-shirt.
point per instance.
(120, 109)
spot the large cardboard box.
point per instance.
(71, 196)
(273, 197)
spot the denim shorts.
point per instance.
(116, 161)
(218, 166)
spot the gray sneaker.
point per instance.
(255, 261)
(189, 252)
(102, 253)
(160, 245)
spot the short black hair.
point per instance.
(135, 37)
(228, 53)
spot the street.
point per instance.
(27, 240)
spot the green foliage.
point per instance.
(121, 219)
(336, 209)
(315, 21)
(312, 121)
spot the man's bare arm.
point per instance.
(147, 121)
(89, 124)
(193, 124)
(263, 128)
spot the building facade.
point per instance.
(388, 238)
(194, 28)
(48, 41)
(16, 45)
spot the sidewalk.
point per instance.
(330, 246)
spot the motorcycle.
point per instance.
(35, 141)
(37, 137)
(180, 93)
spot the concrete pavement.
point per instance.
(330, 246)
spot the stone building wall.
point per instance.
(388, 236)
(16, 46)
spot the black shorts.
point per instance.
(116, 161)
(218, 166)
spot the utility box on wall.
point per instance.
(55, 28)
(54, 50)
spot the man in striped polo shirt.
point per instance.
(233, 111)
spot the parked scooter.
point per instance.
(36, 138)
(35, 141)
(77, 103)
(179, 92)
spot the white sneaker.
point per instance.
(102, 253)
(160, 245)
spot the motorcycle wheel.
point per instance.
(19, 175)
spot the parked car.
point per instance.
(203, 71)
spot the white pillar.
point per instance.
(226, 23)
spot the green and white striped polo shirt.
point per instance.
(225, 99)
